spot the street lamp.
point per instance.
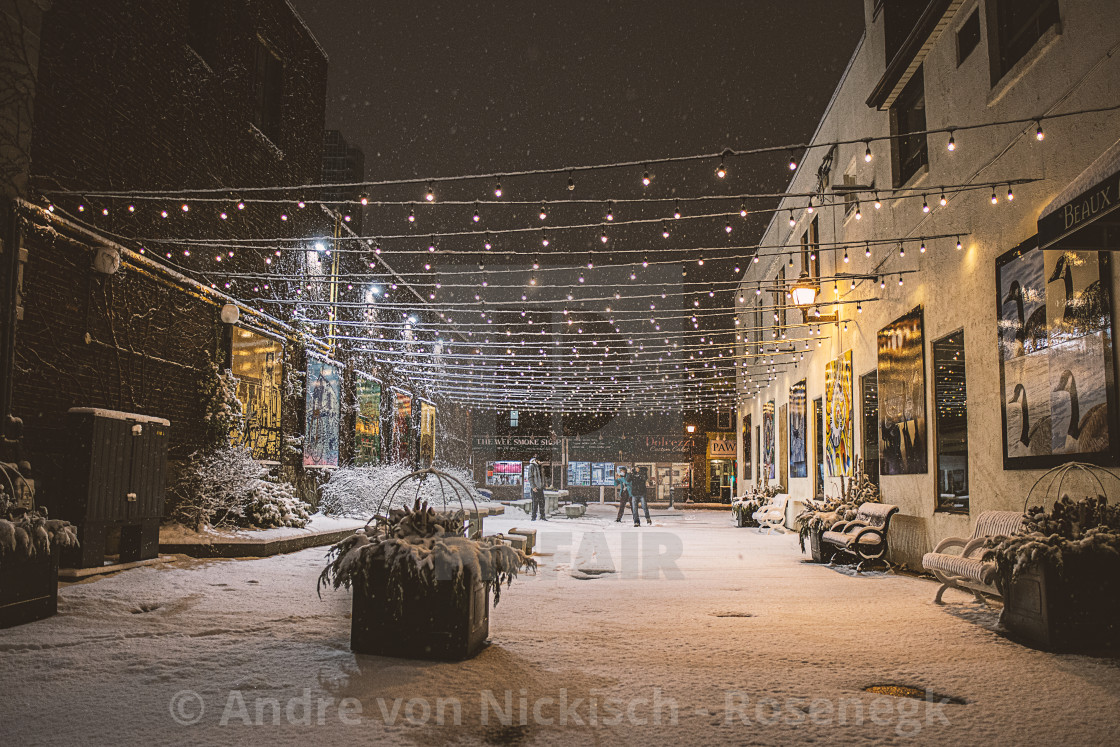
(804, 291)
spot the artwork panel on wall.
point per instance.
(320, 445)
(1057, 372)
(901, 374)
(798, 429)
(838, 415)
(768, 449)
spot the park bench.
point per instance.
(772, 514)
(966, 570)
(865, 537)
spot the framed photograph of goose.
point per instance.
(1057, 375)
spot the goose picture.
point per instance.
(1031, 333)
(1084, 311)
(1035, 439)
(1086, 434)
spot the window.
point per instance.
(269, 89)
(818, 449)
(899, 19)
(1019, 24)
(811, 250)
(256, 362)
(908, 115)
(869, 385)
(513, 417)
(951, 422)
(747, 454)
(202, 29)
(968, 36)
(723, 420)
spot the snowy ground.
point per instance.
(177, 533)
(742, 643)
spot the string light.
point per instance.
(867, 153)
(645, 178)
(544, 238)
(859, 215)
(900, 278)
(610, 211)
(664, 229)
(922, 250)
(1039, 135)
(867, 248)
(721, 171)
(476, 217)
(901, 250)
(994, 198)
(543, 213)
(845, 256)
(878, 203)
(603, 237)
(792, 162)
(792, 221)
(676, 210)
(809, 207)
(943, 202)
(952, 144)
(429, 195)
(727, 228)
(959, 243)
(412, 216)
(571, 182)
(925, 204)
(1010, 194)
(742, 208)
(859, 308)
(498, 188)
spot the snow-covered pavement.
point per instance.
(689, 632)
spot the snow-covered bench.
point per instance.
(772, 514)
(575, 510)
(865, 537)
(966, 570)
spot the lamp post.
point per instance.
(690, 429)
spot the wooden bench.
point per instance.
(865, 537)
(772, 514)
(966, 570)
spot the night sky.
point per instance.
(446, 89)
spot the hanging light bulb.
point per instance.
(958, 243)
(364, 200)
(809, 207)
(859, 308)
(882, 282)
(676, 210)
(994, 198)
(901, 249)
(241, 206)
(925, 204)
(952, 144)
(727, 228)
(486, 243)
(943, 201)
(922, 250)
(603, 237)
(476, 217)
(845, 255)
(412, 215)
(1038, 133)
(498, 188)
(792, 162)
(610, 211)
(664, 229)
(900, 278)
(429, 195)
(792, 222)
(867, 248)
(867, 153)
(1010, 194)
(721, 171)
(645, 262)
(431, 247)
(544, 238)
(536, 264)
(859, 214)
(700, 261)
(571, 181)
(543, 213)
(742, 208)
(878, 204)
(645, 178)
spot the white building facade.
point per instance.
(943, 364)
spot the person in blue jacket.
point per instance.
(622, 484)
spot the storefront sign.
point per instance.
(1055, 227)
(721, 446)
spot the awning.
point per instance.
(1084, 216)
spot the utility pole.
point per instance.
(334, 281)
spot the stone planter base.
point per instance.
(28, 589)
(447, 622)
(1075, 610)
(821, 552)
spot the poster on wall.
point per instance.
(901, 379)
(427, 433)
(256, 363)
(402, 427)
(838, 415)
(320, 439)
(747, 447)
(768, 440)
(798, 430)
(1055, 351)
(367, 423)
(579, 474)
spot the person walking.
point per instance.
(536, 488)
(622, 485)
(638, 493)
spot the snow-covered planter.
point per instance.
(29, 550)
(820, 516)
(421, 588)
(1060, 578)
(743, 511)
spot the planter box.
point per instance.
(28, 589)
(1075, 610)
(449, 621)
(822, 553)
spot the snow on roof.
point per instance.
(98, 412)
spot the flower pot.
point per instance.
(446, 621)
(28, 588)
(822, 553)
(1076, 608)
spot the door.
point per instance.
(818, 448)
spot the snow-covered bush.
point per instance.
(417, 546)
(226, 487)
(743, 510)
(25, 534)
(224, 411)
(357, 491)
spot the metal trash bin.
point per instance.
(117, 480)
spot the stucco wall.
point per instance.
(1075, 69)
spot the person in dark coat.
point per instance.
(622, 484)
(638, 493)
(536, 489)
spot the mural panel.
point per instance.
(902, 397)
(320, 440)
(838, 415)
(798, 430)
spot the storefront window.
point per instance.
(367, 426)
(256, 364)
(951, 422)
(503, 473)
(427, 433)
